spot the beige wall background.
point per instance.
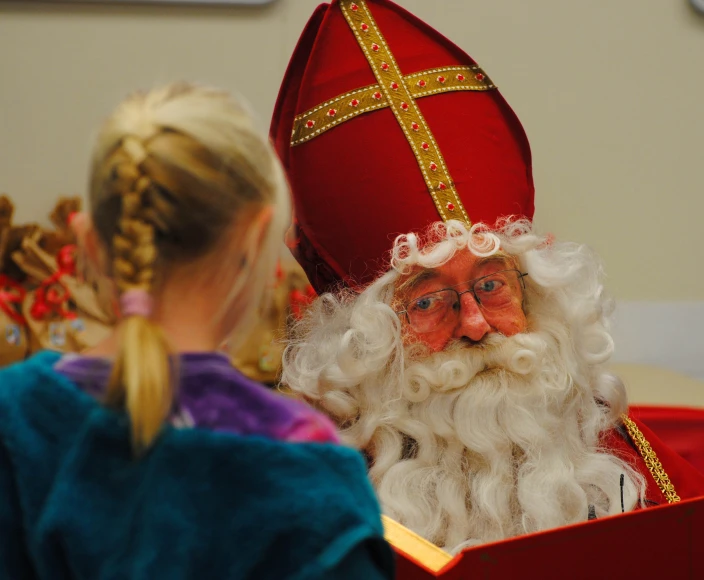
(611, 93)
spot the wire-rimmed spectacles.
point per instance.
(436, 309)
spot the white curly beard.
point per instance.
(488, 442)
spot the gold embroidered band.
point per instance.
(394, 90)
(329, 114)
(651, 461)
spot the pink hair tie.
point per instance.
(137, 302)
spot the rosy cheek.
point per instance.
(510, 322)
(436, 341)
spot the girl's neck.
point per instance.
(185, 317)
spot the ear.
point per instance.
(257, 233)
(78, 222)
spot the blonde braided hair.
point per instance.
(174, 170)
(140, 379)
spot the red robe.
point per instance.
(686, 481)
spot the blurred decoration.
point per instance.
(260, 357)
(58, 311)
(62, 313)
(14, 344)
(44, 304)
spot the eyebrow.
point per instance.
(417, 279)
(429, 274)
(497, 257)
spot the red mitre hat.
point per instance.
(384, 127)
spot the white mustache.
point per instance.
(458, 365)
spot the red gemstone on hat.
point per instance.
(384, 66)
(441, 79)
(425, 146)
(404, 106)
(310, 124)
(353, 7)
(394, 86)
(375, 47)
(415, 126)
(421, 83)
(377, 95)
(433, 167)
(365, 27)
(354, 102)
(441, 185)
(332, 112)
(479, 76)
(460, 77)
(451, 206)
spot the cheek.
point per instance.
(436, 340)
(509, 322)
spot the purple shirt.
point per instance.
(213, 395)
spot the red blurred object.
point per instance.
(299, 300)
(12, 295)
(66, 260)
(52, 297)
(680, 428)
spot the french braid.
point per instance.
(134, 252)
(147, 395)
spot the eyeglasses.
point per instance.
(442, 307)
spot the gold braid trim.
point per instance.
(394, 89)
(651, 461)
(329, 114)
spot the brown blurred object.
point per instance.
(14, 345)
(62, 235)
(11, 239)
(260, 357)
(6, 212)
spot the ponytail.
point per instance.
(141, 379)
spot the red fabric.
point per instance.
(681, 428)
(687, 480)
(358, 185)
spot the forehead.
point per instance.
(463, 266)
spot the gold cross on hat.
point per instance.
(399, 92)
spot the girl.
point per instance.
(149, 456)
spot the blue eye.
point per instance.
(424, 303)
(489, 286)
(431, 303)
